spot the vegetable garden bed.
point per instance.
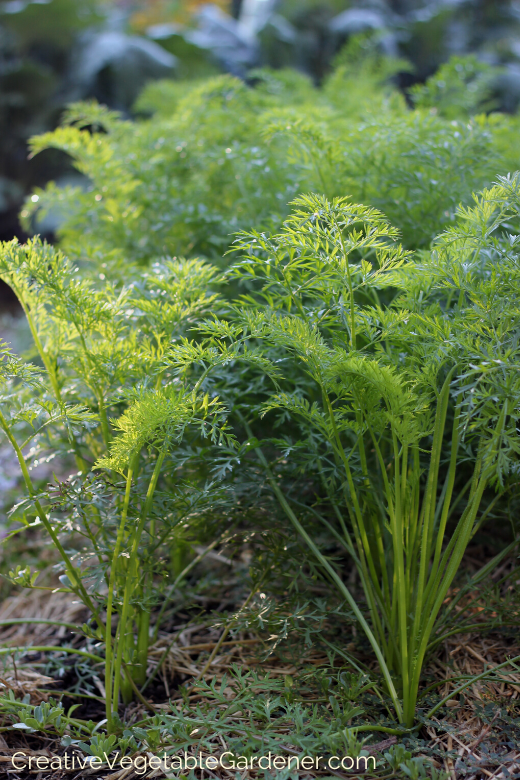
(271, 473)
(475, 734)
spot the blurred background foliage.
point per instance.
(54, 52)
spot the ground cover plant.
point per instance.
(347, 365)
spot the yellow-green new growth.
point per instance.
(158, 418)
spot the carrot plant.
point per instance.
(219, 156)
(387, 396)
(107, 395)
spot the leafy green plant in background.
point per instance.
(464, 85)
(219, 156)
(149, 207)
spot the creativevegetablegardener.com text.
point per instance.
(142, 763)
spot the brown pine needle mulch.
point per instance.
(476, 736)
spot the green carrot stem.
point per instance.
(23, 621)
(110, 599)
(132, 570)
(52, 649)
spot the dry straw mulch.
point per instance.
(475, 737)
